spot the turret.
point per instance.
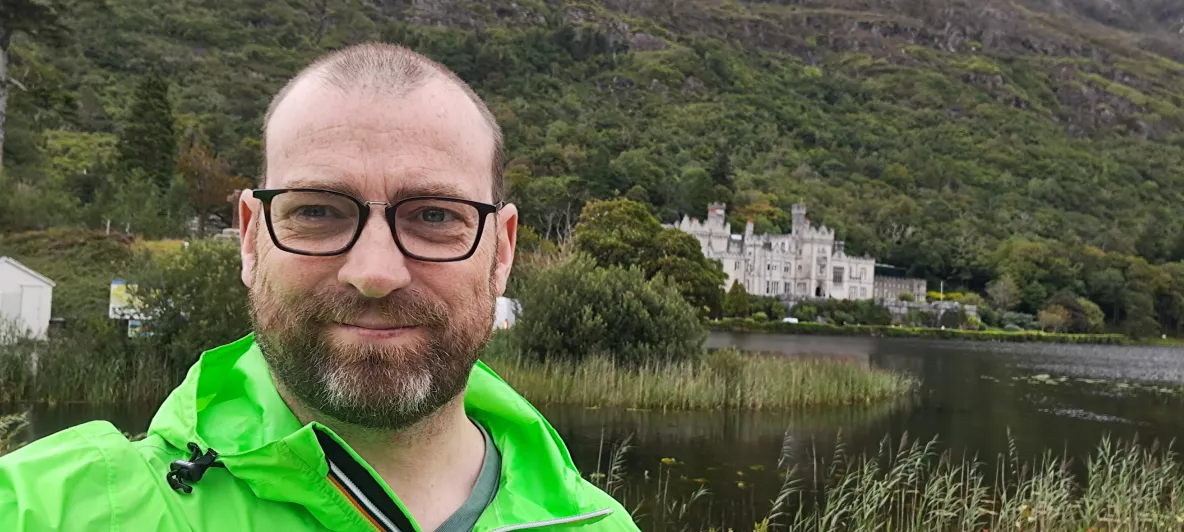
(748, 229)
(799, 219)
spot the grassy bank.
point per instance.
(912, 487)
(725, 378)
(887, 331)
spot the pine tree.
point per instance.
(721, 168)
(40, 20)
(148, 140)
(736, 301)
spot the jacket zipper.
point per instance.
(553, 522)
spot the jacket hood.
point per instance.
(229, 403)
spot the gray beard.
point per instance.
(368, 386)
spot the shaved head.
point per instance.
(389, 70)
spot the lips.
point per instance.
(377, 326)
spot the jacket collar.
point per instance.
(228, 402)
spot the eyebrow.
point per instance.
(447, 190)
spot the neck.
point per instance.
(431, 465)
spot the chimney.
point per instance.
(839, 247)
(748, 228)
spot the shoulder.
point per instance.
(619, 519)
(74, 479)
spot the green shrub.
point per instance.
(760, 316)
(576, 310)
(196, 298)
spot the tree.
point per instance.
(39, 19)
(906, 296)
(624, 233)
(721, 167)
(148, 139)
(736, 301)
(1095, 318)
(207, 179)
(1003, 293)
(577, 309)
(1078, 320)
(1054, 318)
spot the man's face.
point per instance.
(372, 337)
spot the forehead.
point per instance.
(429, 140)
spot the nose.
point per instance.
(375, 266)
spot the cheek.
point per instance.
(289, 273)
(457, 284)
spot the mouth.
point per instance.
(376, 331)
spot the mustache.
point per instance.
(328, 305)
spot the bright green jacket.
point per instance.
(90, 477)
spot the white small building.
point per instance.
(506, 313)
(26, 298)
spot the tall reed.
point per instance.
(91, 364)
(10, 426)
(911, 486)
(725, 378)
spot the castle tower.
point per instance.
(799, 219)
(716, 214)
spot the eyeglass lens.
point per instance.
(321, 222)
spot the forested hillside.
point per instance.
(1036, 143)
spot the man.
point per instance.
(374, 253)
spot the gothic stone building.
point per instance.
(806, 263)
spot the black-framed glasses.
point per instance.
(316, 222)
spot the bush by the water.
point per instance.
(576, 309)
(843, 312)
(742, 325)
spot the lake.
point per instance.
(973, 394)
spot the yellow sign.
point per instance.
(122, 306)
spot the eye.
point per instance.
(435, 215)
(312, 211)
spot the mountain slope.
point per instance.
(966, 140)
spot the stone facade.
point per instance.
(891, 282)
(806, 262)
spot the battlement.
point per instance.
(710, 225)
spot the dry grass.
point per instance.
(911, 487)
(722, 379)
(10, 426)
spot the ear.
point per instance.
(507, 239)
(250, 211)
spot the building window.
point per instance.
(786, 268)
(863, 273)
(821, 269)
(863, 292)
(838, 275)
(799, 268)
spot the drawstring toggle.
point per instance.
(192, 470)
